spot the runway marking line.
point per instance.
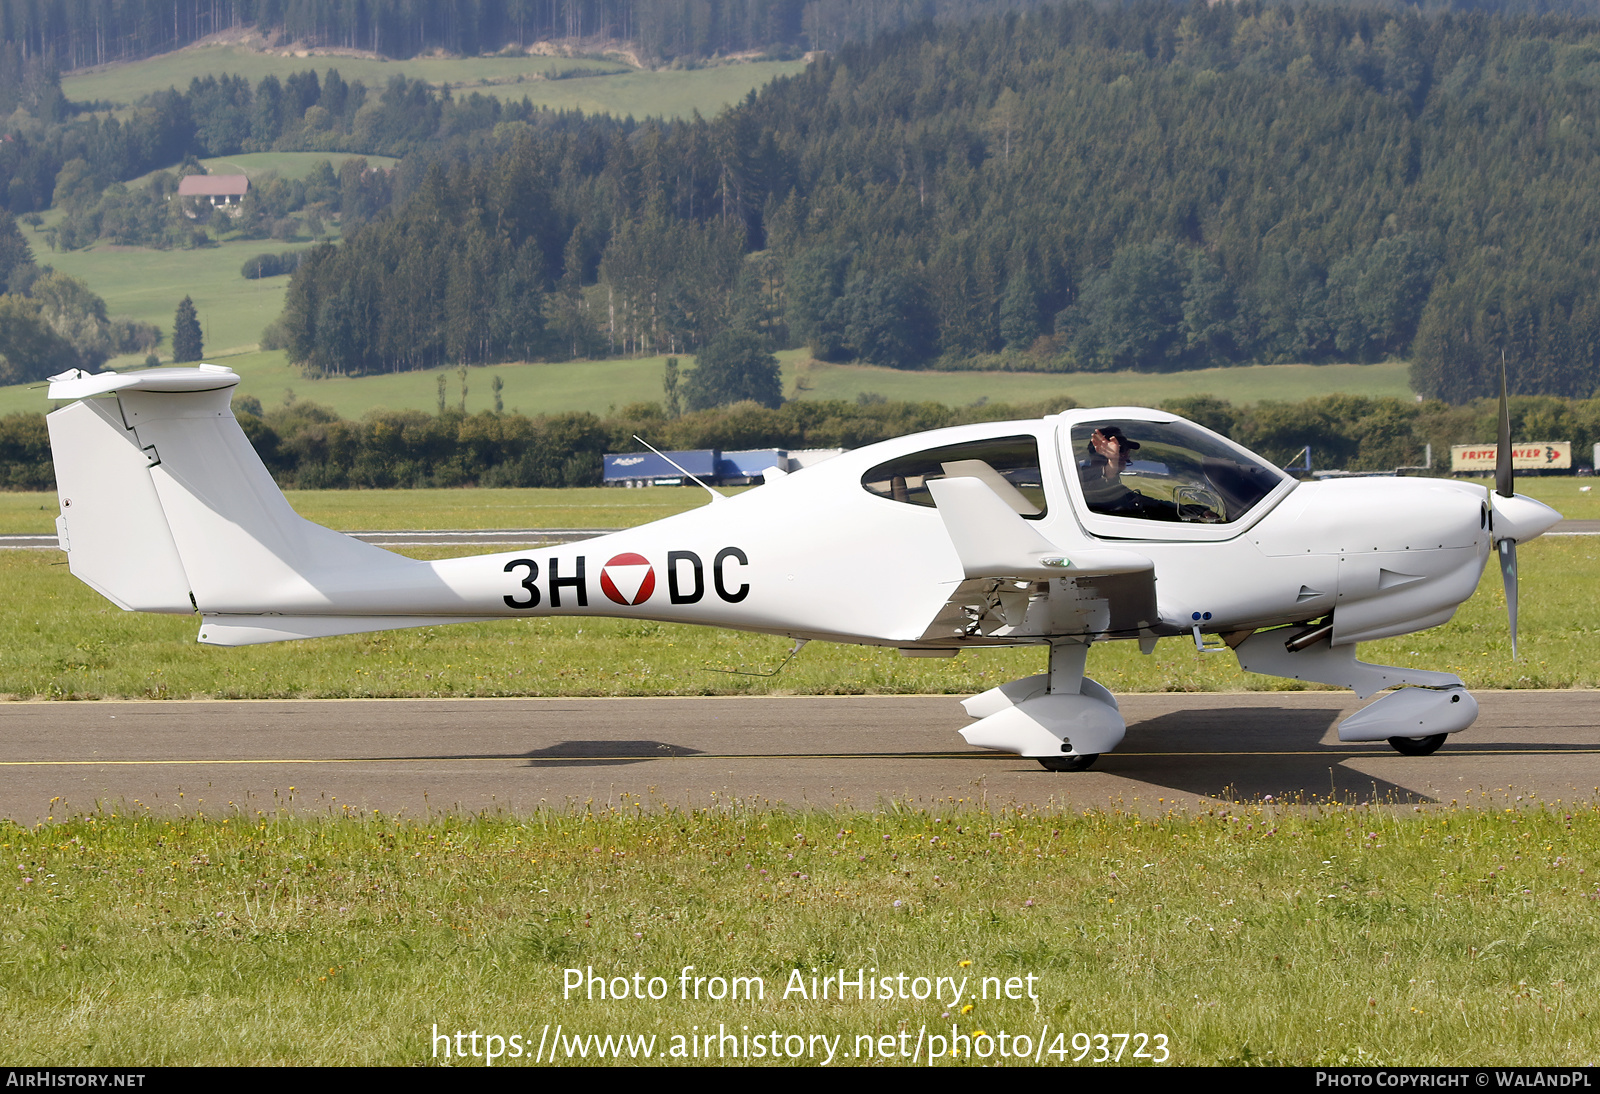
(758, 756)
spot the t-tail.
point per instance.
(166, 507)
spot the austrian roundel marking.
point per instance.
(628, 579)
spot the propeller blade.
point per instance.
(1502, 456)
(1508, 574)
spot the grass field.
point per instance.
(668, 93)
(1246, 384)
(234, 305)
(645, 94)
(147, 284)
(599, 386)
(287, 165)
(1253, 934)
(59, 639)
(125, 84)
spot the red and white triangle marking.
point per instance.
(628, 579)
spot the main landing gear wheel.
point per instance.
(1073, 763)
(1417, 746)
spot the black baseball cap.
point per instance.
(1112, 432)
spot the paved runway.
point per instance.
(418, 756)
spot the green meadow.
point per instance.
(287, 165)
(643, 93)
(233, 306)
(127, 83)
(147, 284)
(1239, 385)
(623, 90)
(1260, 933)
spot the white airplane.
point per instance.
(1088, 526)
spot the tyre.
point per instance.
(1071, 763)
(1417, 746)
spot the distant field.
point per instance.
(147, 284)
(126, 83)
(642, 94)
(668, 93)
(288, 165)
(596, 386)
(243, 307)
(599, 385)
(1246, 384)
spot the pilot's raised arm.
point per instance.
(1101, 474)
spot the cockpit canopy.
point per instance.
(1167, 471)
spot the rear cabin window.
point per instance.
(1010, 466)
(1170, 471)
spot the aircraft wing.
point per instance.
(1017, 582)
(992, 540)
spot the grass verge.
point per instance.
(1247, 934)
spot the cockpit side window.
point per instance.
(1009, 465)
(1169, 471)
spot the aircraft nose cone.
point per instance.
(1521, 518)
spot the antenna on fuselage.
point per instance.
(714, 495)
(1306, 452)
(799, 644)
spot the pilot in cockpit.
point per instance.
(1101, 475)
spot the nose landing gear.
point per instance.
(1417, 746)
(1068, 763)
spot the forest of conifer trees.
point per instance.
(1075, 188)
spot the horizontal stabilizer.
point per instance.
(78, 384)
(993, 540)
(253, 630)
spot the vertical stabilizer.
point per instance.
(241, 543)
(111, 522)
(167, 507)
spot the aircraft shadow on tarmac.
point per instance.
(605, 753)
(1243, 753)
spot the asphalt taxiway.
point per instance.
(426, 756)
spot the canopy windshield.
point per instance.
(1167, 471)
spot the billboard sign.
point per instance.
(1525, 456)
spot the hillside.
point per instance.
(1072, 189)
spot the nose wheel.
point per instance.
(1073, 763)
(1417, 746)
